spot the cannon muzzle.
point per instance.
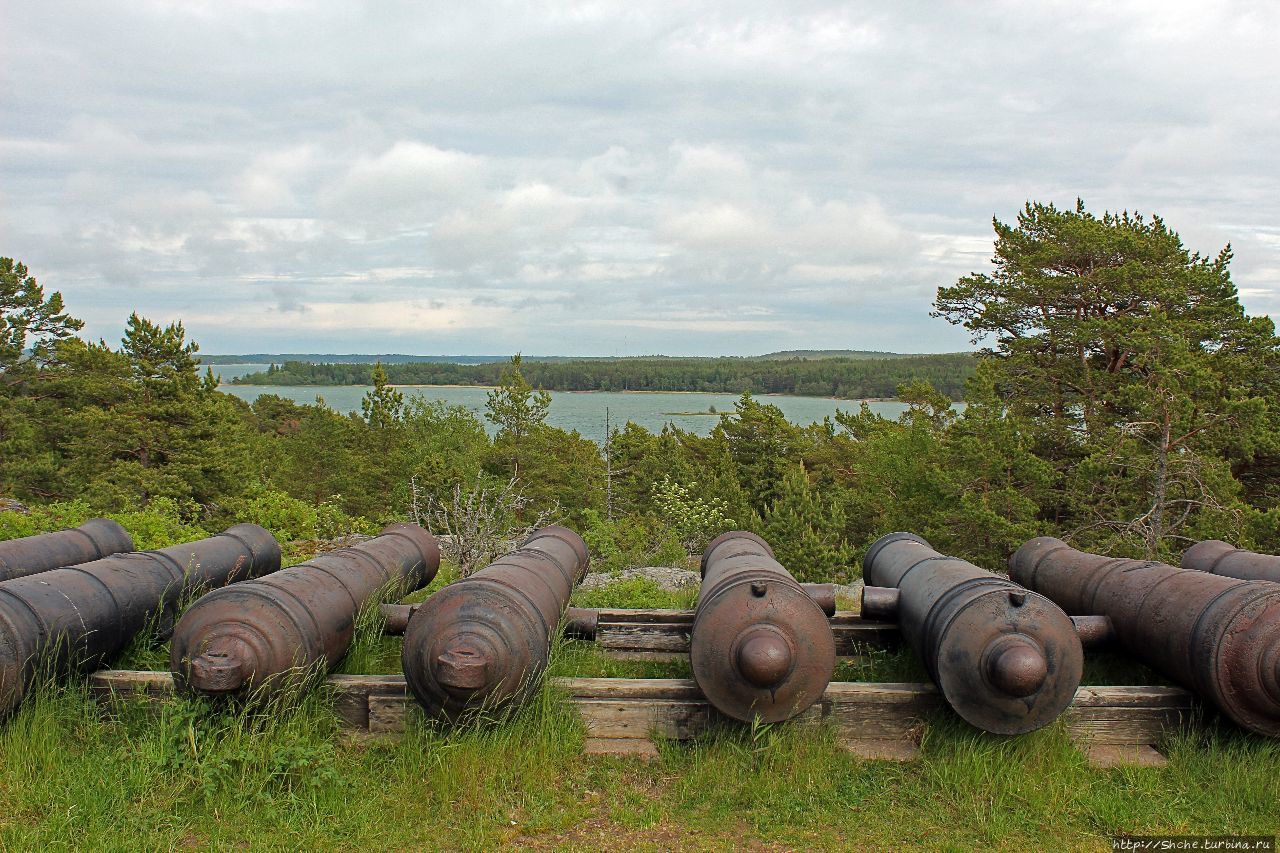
(1007, 660)
(760, 646)
(1218, 636)
(482, 643)
(245, 640)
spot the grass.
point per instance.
(186, 774)
(635, 593)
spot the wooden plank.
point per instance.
(640, 642)
(1123, 725)
(890, 749)
(880, 711)
(351, 695)
(876, 726)
(646, 689)
(1141, 697)
(367, 684)
(632, 634)
(387, 713)
(640, 615)
(1104, 756)
(636, 708)
(641, 719)
(646, 657)
(881, 693)
(105, 682)
(629, 747)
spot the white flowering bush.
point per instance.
(695, 518)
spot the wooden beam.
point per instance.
(622, 715)
(664, 634)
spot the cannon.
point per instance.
(1220, 558)
(93, 540)
(247, 640)
(1007, 660)
(1218, 636)
(760, 646)
(78, 617)
(482, 643)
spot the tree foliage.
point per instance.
(1130, 362)
(1124, 401)
(384, 405)
(31, 324)
(513, 406)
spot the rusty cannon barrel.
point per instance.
(1007, 660)
(1218, 636)
(481, 643)
(93, 540)
(760, 646)
(246, 640)
(78, 617)
(1221, 558)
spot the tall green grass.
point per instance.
(288, 776)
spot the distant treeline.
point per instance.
(401, 358)
(326, 358)
(847, 378)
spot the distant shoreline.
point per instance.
(681, 414)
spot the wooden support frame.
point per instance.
(1113, 725)
(664, 634)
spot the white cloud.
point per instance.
(408, 176)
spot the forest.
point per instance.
(845, 378)
(1123, 400)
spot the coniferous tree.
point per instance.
(1133, 366)
(514, 406)
(383, 406)
(160, 432)
(806, 531)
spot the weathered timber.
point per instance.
(623, 715)
(656, 635)
(664, 634)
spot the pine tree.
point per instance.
(383, 407)
(1132, 365)
(31, 325)
(156, 430)
(514, 407)
(805, 531)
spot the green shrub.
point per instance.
(44, 519)
(162, 523)
(291, 519)
(629, 541)
(695, 519)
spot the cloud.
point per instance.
(608, 177)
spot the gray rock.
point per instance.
(667, 578)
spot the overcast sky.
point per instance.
(608, 178)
